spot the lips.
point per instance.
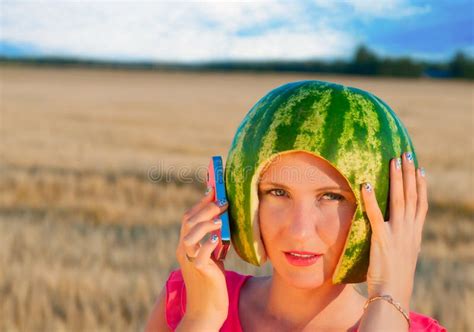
(303, 253)
(302, 258)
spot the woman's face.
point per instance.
(305, 204)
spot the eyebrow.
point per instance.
(286, 187)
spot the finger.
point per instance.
(207, 198)
(208, 212)
(422, 201)
(181, 252)
(204, 256)
(409, 186)
(197, 233)
(372, 209)
(397, 200)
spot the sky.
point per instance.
(191, 31)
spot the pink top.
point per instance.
(176, 305)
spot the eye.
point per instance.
(276, 192)
(334, 196)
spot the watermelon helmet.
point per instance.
(353, 130)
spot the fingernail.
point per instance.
(214, 238)
(208, 190)
(422, 171)
(409, 156)
(221, 202)
(398, 163)
(217, 221)
(368, 187)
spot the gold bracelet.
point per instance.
(390, 300)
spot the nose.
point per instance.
(304, 220)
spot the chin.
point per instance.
(309, 277)
(305, 281)
(304, 278)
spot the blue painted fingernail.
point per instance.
(368, 187)
(398, 163)
(221, 202)
(422, 171)
(214, 238)
(409, 156)
(217, 221)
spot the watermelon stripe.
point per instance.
(286, 135)
(357, 144)
(390, 141)
(357, 248)
(334, 124)
(392, 124)
(237, 177)
(283, 114)
(355, 152)
(368, 144)
(406, 143)
(267, 119)
(310, 133)
(235, 180)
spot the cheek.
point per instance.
(269, 218)
(334, 233)
(272, 220)
(330, 227)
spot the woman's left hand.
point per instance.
(395, 244)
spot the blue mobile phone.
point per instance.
(215, 179)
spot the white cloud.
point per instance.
(368, 9)
(179, 31)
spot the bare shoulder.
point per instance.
(157, 319)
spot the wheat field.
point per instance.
(97, 167)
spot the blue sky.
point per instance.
(194, 31)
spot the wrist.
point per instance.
(378, 307)
(401, 296)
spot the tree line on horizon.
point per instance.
(364, 62)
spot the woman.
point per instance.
(310, 200)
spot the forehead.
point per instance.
(301, 167)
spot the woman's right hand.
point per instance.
(207, 300)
